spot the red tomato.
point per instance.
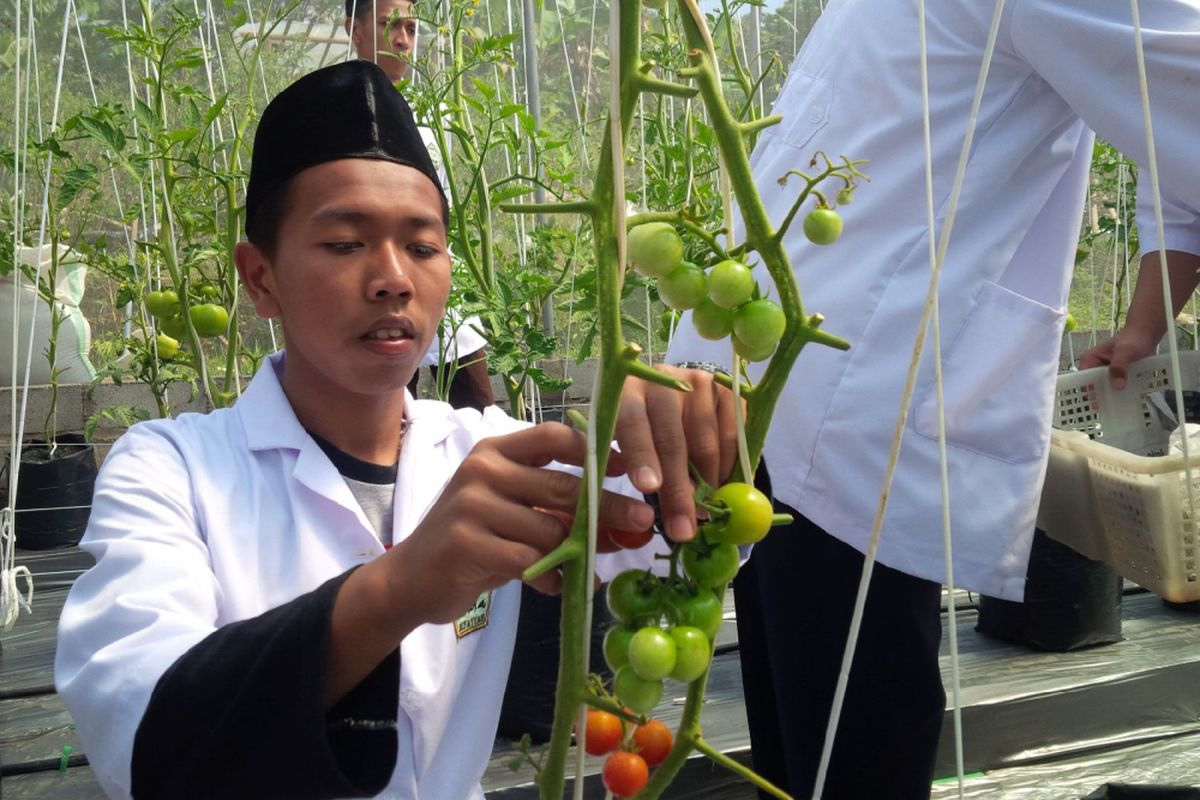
(625, 774)
(629, 540)
(604, 732)
(653, 741)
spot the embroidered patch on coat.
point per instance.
(476, 618)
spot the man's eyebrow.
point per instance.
(357, 216)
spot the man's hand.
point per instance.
(660, 429)
(1118, 353)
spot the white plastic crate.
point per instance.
(1111, 491)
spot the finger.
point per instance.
(671, 445)
(636, 441)
(701, 426)
(539, 445)
(726, 431)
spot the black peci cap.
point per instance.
(348, 110)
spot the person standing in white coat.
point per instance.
(312, 594)
(384, 32)
(1061, 70)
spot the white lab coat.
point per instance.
(1059, 67)
(210, 519)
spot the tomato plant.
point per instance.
(699, 610)
(759, 323)
(636, 692)
(173, 326)
(711, 566)
(654, 249)
(629, 540)
(823, 225)
(750, 514)
(683, 287)
(616, 646)
(652, 653)
(209, 319)
(692, 653)
(162, 303)
(634, 595)
(604, 732)
(165, 346)
(712, 321)
(730, 283)
(625, 774)
(653, 741)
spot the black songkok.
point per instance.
(348, 110)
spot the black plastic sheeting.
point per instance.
(1148, 771)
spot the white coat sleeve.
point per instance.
(1086, 52)
(169, 704)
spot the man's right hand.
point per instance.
(1118, 353)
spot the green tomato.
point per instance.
(652, 653)
(162, 303)
(683, 287)
(210, 292)
(616, 646)
(711, 566)
(752, 353)
(700, 610)
(759, 323)
(750, 514)
(634, 596)
(654, 249)
(711, 321)
(165, 346)
(730, 283)
(209, 319)
(692, 653)
(173, 326)
(823, 226)
(845, 197)
(1070, 323)
(636, 692)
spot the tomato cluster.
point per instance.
(723, 301)
(630, 753)
(208, 317)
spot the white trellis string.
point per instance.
(905, 403)
(1168, 308)
(353, 23)
(11, 598)
(943, 474)
(262, 74)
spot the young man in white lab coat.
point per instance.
(1061, 69)
(312, 594)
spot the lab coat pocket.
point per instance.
(995, 377)
(805, 103)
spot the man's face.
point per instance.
(384, 32)
(359, 278)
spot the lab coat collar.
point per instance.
(270, 422)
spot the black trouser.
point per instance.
(794, 598)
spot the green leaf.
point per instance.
(147, 116)
(77, 180)
(100, 130)
(215, 109)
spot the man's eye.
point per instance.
(424, 250)
(342, 247)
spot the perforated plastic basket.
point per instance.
(1111, 491)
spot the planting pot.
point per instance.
(54, 493)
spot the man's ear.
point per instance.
(258, 278)
(354, 32)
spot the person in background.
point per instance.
(1061, 70)
(313, 594)
(384, 32)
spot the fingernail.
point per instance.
(646, 479)
(680, 528)
(641, 517)
(1118, 383)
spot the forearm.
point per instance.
(1146, 316)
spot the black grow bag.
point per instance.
(54, 493)
(1071, 602)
